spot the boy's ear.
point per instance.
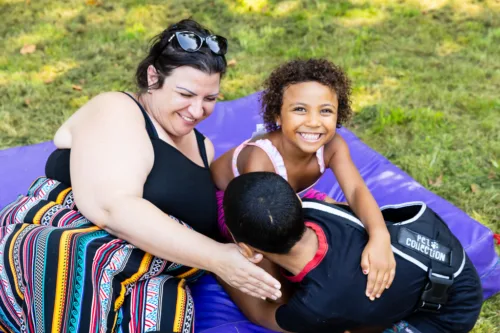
(250, 253)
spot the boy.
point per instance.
(436, 288)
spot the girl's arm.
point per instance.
(378, 259)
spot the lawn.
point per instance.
(426, 75)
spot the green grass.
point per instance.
(426, 75)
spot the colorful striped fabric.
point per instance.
(61, 273)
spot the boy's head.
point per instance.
(262, 210)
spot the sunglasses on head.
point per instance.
(191, 42)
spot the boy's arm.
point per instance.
(259, 311)
(264, 313)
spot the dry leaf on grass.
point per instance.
(77, 87)
(474, 188)
(491, 175)
(27, 102)
(93, 3)
(438, 182)
(232, 62)
(220, 97)
(27, 49)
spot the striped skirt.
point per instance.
(61, 273)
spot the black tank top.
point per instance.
(176, 185)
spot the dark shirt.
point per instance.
(331, 294)
(176, 185)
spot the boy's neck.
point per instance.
(300, 254)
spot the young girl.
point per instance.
(303, 103)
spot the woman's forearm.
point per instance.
(142, 224)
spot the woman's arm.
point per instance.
(378, 259)
(111, 157)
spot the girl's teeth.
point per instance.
(309, 136)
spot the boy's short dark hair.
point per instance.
(262, 210)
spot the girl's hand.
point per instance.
(242, 273)
(378, 262)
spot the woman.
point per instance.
(99, 231)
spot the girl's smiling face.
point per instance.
(308, 117)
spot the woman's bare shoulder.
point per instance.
(110, 107)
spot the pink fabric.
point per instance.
(220, 216)
(269, 149)
(314, 194)
(274, 155)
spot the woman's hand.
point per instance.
(378, 262)
(242, 273)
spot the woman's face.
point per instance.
(187, 97)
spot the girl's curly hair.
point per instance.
(297, 71)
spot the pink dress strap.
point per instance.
(271, 151)
(320, 155)
(236, 153)
(274, 155)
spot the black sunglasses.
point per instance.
(191, 42)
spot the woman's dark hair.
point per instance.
(166, 58)
(297, 71)
(262, 210)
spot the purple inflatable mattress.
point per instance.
(233, 122)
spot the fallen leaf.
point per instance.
(474, 188)
(27, 49)
(28, 2)
(232, 62)
(77, 87)
(438, 182)
(27, 102)
(491, 175)
(48, 80)
(220, 97)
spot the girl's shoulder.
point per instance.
(336, 146)
(256, 154)
(254, 158)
